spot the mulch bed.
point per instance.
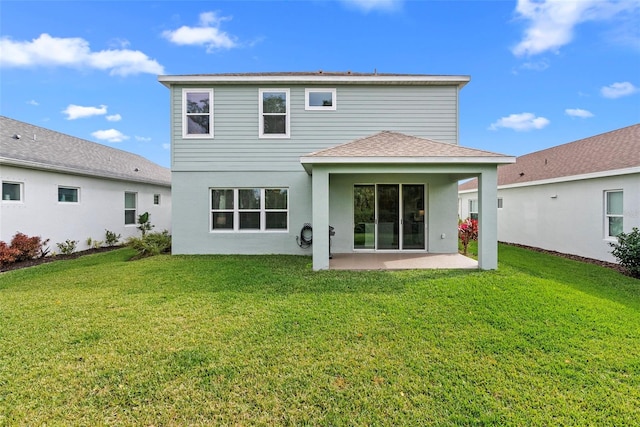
(44, 260)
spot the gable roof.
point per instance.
(395, 147)
(610, 151)
(25, 145)
(318, 77)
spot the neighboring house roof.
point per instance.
(325, 77)
(610, 151)
(25, 145)
(395, 147)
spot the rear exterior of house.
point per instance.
(252, 163)
(64, 188)
(574, 198)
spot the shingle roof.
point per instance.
(42, 148)
(395, 144)
(618, 149)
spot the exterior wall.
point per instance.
(362, 110)
(572, 223)
(100, 207)
(192, 214)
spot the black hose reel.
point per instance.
(306, 236)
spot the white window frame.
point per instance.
(67, 187)
(334, 103)
(185, 133)
(607, 215)
(473, 203)
(135, 209)
(287, 125)
(21, 192)
(236, 211)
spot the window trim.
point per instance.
(135, 209)
(287, 124)
(236, 211)
(67, 187)
(187, 135)
(607, 215)
(334, 102)
(21, 192)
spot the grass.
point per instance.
(263, 340)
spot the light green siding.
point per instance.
(362, 110)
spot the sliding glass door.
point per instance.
(388, 217)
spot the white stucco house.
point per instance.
(573, 198)
(256, 156)
(63, 188)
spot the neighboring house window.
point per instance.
(319, 99)
(274, 113)
(156, 199)
(613, 213)
(500, 203)
(130, 202)
(197, 113)
(249, 209)
(12, 191)
(68, 195)
(473, 209)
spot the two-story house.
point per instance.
(255, 157)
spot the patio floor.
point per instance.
(400, 261)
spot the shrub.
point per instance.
(627, 251)
(144, 224)
(467, 231)
(111, 238)
(67, 247)
(28, 247)
(151, 244)
(8, 254)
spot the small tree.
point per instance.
(144, 224)
(467, 231)
(627, 252)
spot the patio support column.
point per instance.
(320, 215)
(488, 219)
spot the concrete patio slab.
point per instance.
(400, 261)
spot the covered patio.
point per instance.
(395, 161)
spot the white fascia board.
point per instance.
(459, 81)
(594, 175)
(407, 160)
(74, 171)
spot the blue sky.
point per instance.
(542, 72)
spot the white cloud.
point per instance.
(520, 122)
(166, 146)
(114, 118)
(551, 23)
(33, 102)
(110, 135)
(142, 139)
(78, 112)
(369, 5)
(578, 112)
(74, 52)
(617, 90)
(207, 34)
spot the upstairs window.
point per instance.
(12, 191)
(274, 113)
(320, 99)
(197, 113)
(68, 195)
(613, 213)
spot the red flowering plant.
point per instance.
(467, 231)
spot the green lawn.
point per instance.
(212, 340)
